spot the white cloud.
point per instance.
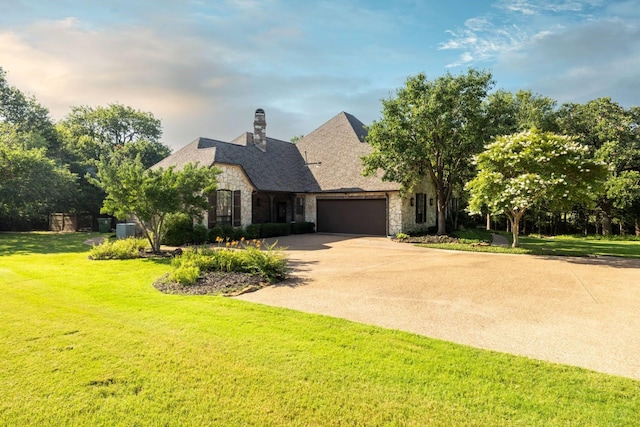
(201, 82)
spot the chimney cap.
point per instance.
(260, 111)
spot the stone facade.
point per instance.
(233, 178)
(401, 216)
(409, 212)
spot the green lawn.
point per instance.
(91, 343)
(581, 246)
(555, 245)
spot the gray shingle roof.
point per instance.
(335, 149)
(339, 145)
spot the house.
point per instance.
(318, 179)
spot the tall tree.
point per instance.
(90, 133)
(34, 178)
(24, 112)
(613, 134)
(510, 113)
(431, 128)
(31, 184)
(519, 171)
(152, 194)
(94, 132)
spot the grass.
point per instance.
(580, 246)
(93, 343)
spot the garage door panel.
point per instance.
(352, 216)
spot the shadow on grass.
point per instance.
(603, 261)
(43, 243)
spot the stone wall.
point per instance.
(233, 178)
(409, 212)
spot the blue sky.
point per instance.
(203, 67)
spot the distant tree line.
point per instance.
(47, 167)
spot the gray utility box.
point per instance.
(125, 230)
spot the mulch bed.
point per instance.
(214, 283)
(428, 239)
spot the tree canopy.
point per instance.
(518, 171)
(92, 132)
(31, 184)
(152, 194)
(613, 134)
(431, 128)
(510, 113)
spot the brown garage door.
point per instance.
(352, 216)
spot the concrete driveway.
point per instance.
(577, 311)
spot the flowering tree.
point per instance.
(518, 171)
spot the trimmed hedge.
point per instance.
(182, 231)
(302, 227)
(274, 229)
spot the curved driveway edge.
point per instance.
(577, 311)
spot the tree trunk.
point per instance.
(607, 227)
(489, 222)
(515, 228)
(637, 224)
(442, 218)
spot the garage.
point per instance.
(352, 216)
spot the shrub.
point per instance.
(179, 230)
(274, 229)
(185, 274)
(270, 264)
(200, 234)
(302, 227)
(214, 233)
(402, 236)
(228, 232)
(118, 249)
(252, 231)
(225, 232)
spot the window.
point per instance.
(421, 208)
(224, 208)
(300, 205)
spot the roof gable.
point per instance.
(333, 153)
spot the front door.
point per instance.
(281, 212)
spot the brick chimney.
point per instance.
(260, 130)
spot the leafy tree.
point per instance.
(431, 129)
(152, 194)
(34, 179)
(31, 184)
(95, 132)
(518, 171)
(613, 134)
(92, 133)
(512, 113)
(25, 113)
